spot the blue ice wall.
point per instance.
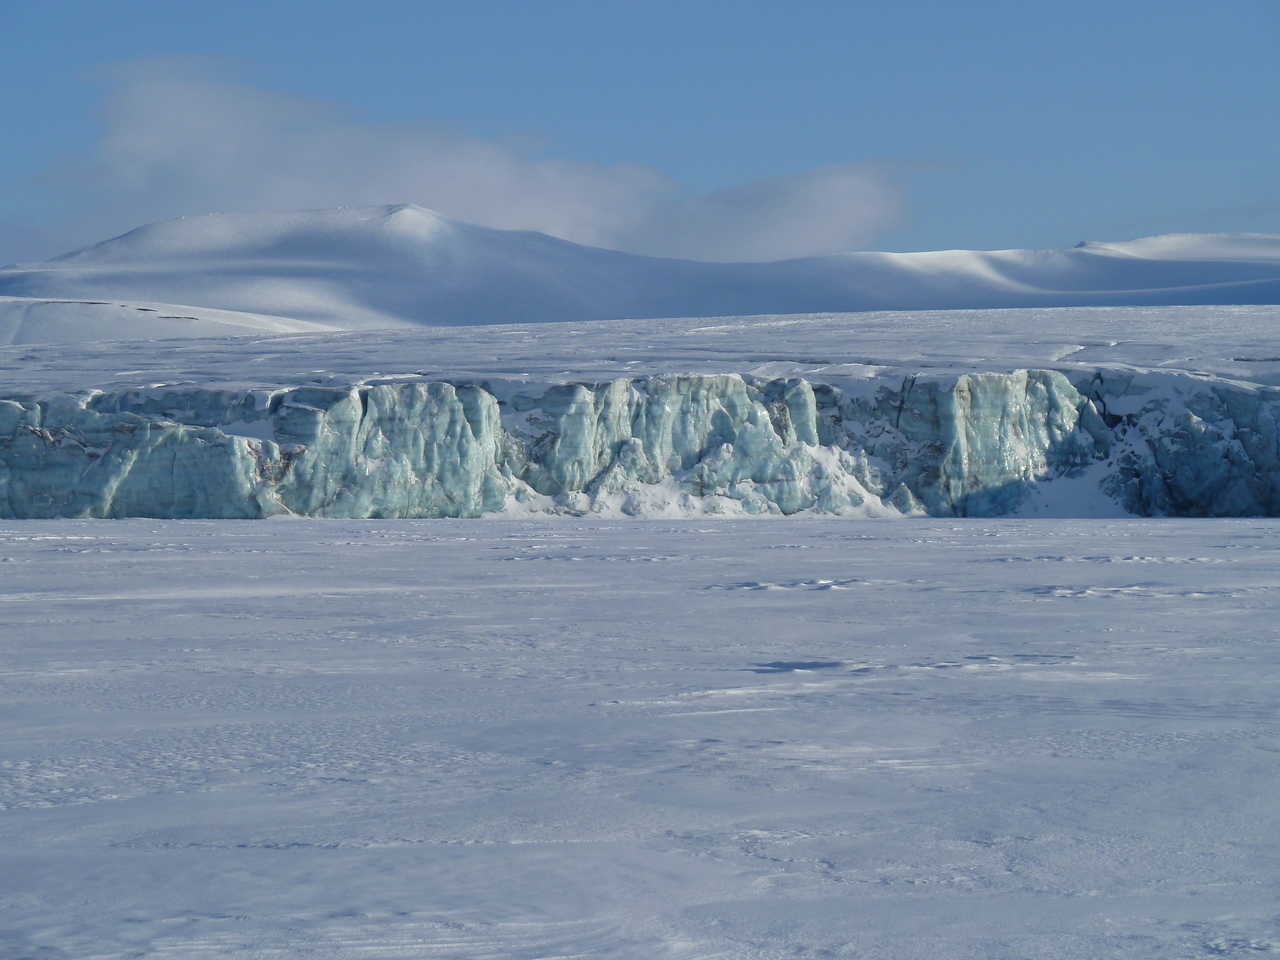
(983, 444)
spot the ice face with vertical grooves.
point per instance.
(978, 444)
(715, 442)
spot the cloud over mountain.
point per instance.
(181, 138)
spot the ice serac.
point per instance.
(1191, 446)
(693, 442)
(63, 459)
(419, 449)
(980, 444)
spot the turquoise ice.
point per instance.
(981, 444)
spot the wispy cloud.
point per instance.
(180, 138)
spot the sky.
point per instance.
(711, 130)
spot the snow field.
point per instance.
(638, 739)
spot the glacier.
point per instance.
(973, 444)
(1061, 412)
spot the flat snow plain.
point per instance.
(560, 738)
(1234, 342)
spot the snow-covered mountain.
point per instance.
(403, 265)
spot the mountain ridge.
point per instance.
(404, 265)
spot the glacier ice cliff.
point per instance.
(979, 444)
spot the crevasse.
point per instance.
(983, 444)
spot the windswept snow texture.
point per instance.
(376, 435)
(512, 740)
(26, 320)
(404, 265)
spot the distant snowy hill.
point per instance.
(403, 265)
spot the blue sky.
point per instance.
(718, 130)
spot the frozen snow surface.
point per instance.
(403, 265)
(33, 320)
(1053, 412)
(639, 739)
